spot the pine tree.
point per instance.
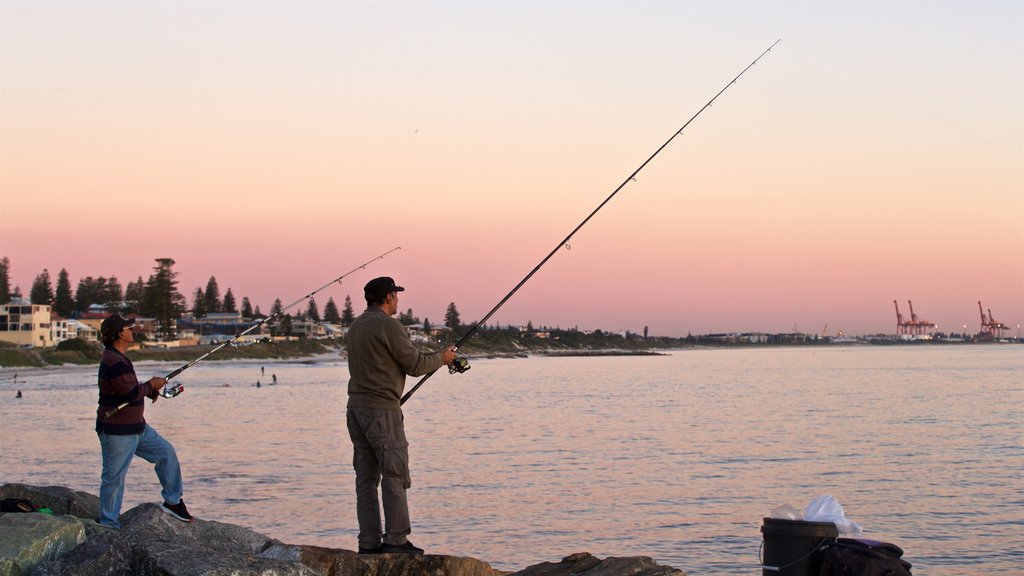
(161, 299)
(246, 307)
(198, 304)
(312, 312)
(229, 302)
(63, 300)
(42, 289)
(133, 296)
(347, 315)
(451, 318)
(277, 307)
(5, 280)
(331, 315)
(213, 301)
(111, 294)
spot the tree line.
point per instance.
(158, 297)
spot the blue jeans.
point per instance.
(118, 451)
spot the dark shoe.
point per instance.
(177, 510)
(406, 548)
(369, 550)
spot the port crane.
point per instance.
(990, 327)
(919, 327)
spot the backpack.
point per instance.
(855, 557)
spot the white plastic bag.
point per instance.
(827, 509)
(785, 512)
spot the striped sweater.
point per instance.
(118, 384)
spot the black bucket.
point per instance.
(794, 547)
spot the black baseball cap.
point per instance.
(113, 324)
(378, 288)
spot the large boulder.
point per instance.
(584, 564)
(30, 539)
(164, 546)
(106, 554)
(336, 562)
(62, 501)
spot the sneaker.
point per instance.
(177, 510)
(369, 550)
(407, 548)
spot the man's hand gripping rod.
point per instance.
(172, 391)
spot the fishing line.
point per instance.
(565, 241)
(907, 102)
(170, 392)
(535, 293)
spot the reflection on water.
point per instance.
(527, 460)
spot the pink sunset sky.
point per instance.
(877, 153)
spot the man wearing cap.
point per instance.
(380, 355)
(124, 433)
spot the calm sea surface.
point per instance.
(521, 461)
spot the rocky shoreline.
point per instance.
(150, 542)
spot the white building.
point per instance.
(26, 324)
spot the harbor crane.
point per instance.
(990, 327)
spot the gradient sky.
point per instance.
(877, 153)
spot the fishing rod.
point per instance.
(172, 391)
(461, 364)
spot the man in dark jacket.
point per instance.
(123, 432)
(380, 355)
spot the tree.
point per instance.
(286, 325)
(451, 317)
(229, 302)
(276, 308)
(312, 312)
(42, 289)
(246, 307)
(347, 316)
(5, 280)
(407, 319)
(213, 302)
(256, 313)
(198, 304)
(162, 300)
(63, 300)
(426, 325)
(331, 315)
(133, 295)
(110, 292)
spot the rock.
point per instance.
(153, 543)
(62, 501)
(162, 545)
(105, 554)
(336, 562)
(584, 564)
(29, 539)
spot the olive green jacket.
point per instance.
(380, 355)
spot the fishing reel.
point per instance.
(172, 391)
(168, 391)
(460, 365)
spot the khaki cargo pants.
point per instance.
(380, 458)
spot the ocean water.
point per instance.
(521, 461)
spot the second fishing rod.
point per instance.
(172, 391)
(461, 364)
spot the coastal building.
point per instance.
(82, 331)
(26, 324)
(59, 331)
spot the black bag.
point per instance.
(16, 505)
(854, 557)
